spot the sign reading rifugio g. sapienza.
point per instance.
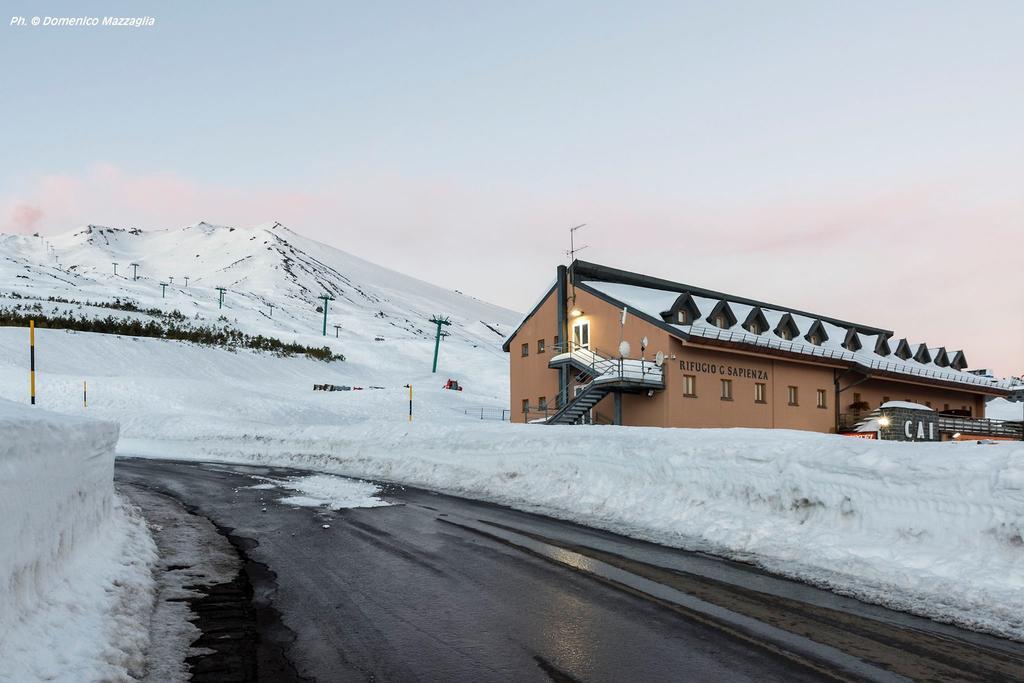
(722, 369)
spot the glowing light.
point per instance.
(576, 312)
(883, 421)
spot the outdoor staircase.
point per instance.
(606, 375)
(572, 411)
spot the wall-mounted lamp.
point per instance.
(956, 436)
(883, 421)
(576, 312)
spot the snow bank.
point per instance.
(931, 528)
(75, 588)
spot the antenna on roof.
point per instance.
(572, 243)
(576, 312)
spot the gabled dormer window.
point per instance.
(940, 357)
(722, 316)
(683, 312)
(852, 341)
(756, 323)
(958, 361)
(816, 335)
(882, 345)
(922, 355)
(903, 350)
(787, 329)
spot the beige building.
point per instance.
(715, 360)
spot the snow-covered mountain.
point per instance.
(273, 280)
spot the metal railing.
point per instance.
(603, 367)
(486, 413)
(843, 355)
(949, 424)
(539, 413)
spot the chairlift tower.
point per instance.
(439, 321)
(325, 298)
(135, 270)
(220, 301)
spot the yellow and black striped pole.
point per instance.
(85, 394)
(32, 358)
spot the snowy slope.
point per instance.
(384, 315)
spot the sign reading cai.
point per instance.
(721, 369)
(919, 430)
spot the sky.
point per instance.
(861, 160)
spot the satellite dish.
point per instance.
(643, 343)
(659, 359)
(624, 348)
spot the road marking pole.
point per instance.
(85, 394)
(410, 401)
(32, 359)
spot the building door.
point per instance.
(581, 335)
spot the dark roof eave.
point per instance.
(605, 273)
(949, 384)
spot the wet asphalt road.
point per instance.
(436, 588)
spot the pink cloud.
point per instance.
(24, 217)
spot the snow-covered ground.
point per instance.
(75, 585)
(931, 528)
(1001, 409)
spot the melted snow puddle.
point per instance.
(325, 490)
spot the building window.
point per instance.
(542, 403)
(540, 346)
(945, 407)
(856, 397)
(785, 334)
(526, 350)
(721, 321)
(822, 398)
(690, 386)
(815, 339)
(726, 389)
(759, 390)
(793, 396)
(581, 336)
(683, 318)
(526, 405)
